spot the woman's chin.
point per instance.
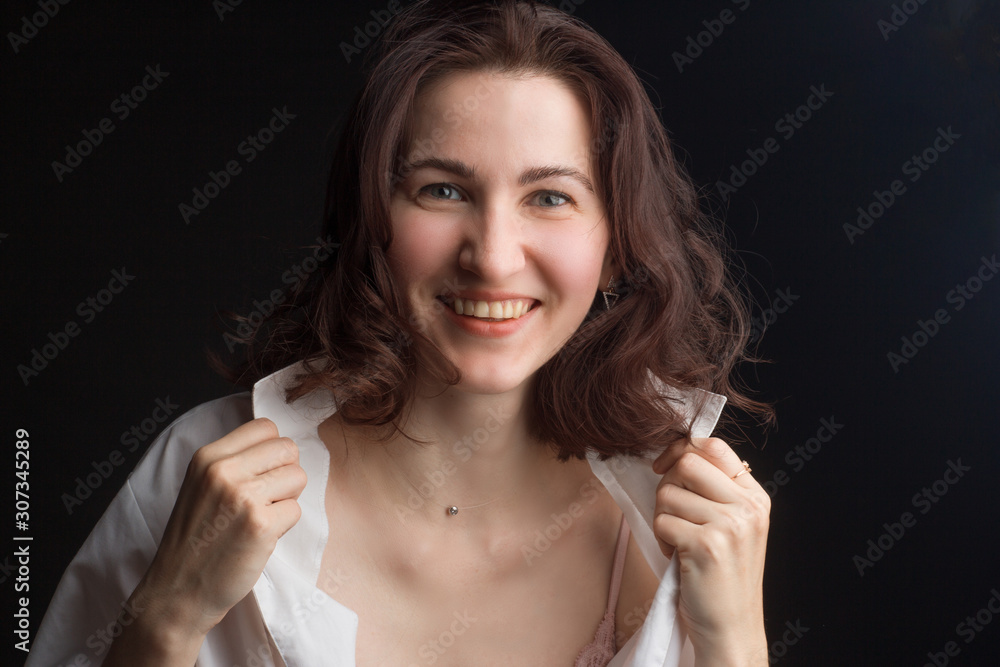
(489, 372)
(482, 379)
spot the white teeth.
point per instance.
(497, 310)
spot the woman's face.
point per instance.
(497, 210)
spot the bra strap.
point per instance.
(619, 565)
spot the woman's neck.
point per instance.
(479, 458)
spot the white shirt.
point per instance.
(288, 621)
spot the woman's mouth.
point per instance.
(490, 311)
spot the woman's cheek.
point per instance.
(577, 261)
(417, 249)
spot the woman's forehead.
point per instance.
(470, 88)
(475, 113)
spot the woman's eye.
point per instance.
(547, 197)
(444, 188)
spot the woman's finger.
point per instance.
(285, 482)
(695, 473)
(238, 440)
(286, 514)
(267, 455)
(673, 533)
(685, 504)
(714, 450)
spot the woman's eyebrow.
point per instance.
(539, 173)
(528, 176)
(456, 167)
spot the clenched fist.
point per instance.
(715, 520)
(238, 497)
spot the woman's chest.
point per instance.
(515, 626)
(535, 598)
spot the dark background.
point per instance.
(60, 241)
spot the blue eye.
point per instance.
(442, 186)
(452, 193)
(557, 195)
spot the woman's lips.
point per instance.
(491, 327)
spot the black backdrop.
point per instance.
(906, 93)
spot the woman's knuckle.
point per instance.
(716, 447)
(688, 461)
(296, 511)
(762, 519)
(301, 479)
(218, 474)
(264, 429)
(257, 526)
(736, 526)
(200, 459)
(714, 545)
(289, 451)
(661, 525)
(755, 513)
(762, 501)
(240, 497)
(665, 494)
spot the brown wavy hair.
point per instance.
(681, 316)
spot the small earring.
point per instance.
(610, 297)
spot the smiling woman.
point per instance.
(504, 240)
(478, 432)
(683, 317)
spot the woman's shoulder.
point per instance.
(116, 554)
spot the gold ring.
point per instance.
(746, 469)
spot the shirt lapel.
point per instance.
(308, 626)
(632, 483)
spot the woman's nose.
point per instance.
(493, 244)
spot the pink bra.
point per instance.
(599, 652)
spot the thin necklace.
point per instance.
(451, 510)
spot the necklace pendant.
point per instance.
(452, 510)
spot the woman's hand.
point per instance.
(237, 498)
(717, 526)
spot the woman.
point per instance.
(479, 432)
